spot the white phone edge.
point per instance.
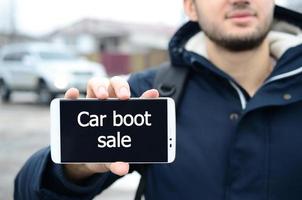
(55, 141)
(171, 129)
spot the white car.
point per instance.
(43, 68)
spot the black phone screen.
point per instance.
(114, 130)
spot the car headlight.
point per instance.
(61, 82)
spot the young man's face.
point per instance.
(236, 25)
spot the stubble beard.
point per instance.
(235, 43)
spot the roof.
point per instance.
(108, 28)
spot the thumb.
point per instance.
(119, 168)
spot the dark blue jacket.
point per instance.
(229, 145)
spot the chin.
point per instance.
(242, 34)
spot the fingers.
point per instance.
(153, 93)
(98, 88)
(118, 168)
(119, 88)
(103, 88)
(72, 93)
(78, 172)
(116, 87)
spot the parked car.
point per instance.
(46, 69)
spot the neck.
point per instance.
(248, 68)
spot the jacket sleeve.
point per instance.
(40, 178)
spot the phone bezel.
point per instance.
(55, 141)
(171, 129)
(55, 131)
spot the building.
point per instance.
(121, 47)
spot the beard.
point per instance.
(233, 42)
(237, 43)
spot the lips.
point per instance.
(240, 14)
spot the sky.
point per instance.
(37, 17)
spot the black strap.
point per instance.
(169, 81)
(142, 184)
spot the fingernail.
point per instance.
(124, 91)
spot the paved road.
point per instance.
(24, 129)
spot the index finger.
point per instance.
(120, 88)
(98, 88)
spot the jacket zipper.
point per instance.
(240, 94)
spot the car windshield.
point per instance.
(52, 55)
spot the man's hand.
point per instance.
(115, 87)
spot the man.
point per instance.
(239, 120)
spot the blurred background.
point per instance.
(47, 46)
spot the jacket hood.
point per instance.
(286, 33)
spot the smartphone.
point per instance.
(102, 131)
